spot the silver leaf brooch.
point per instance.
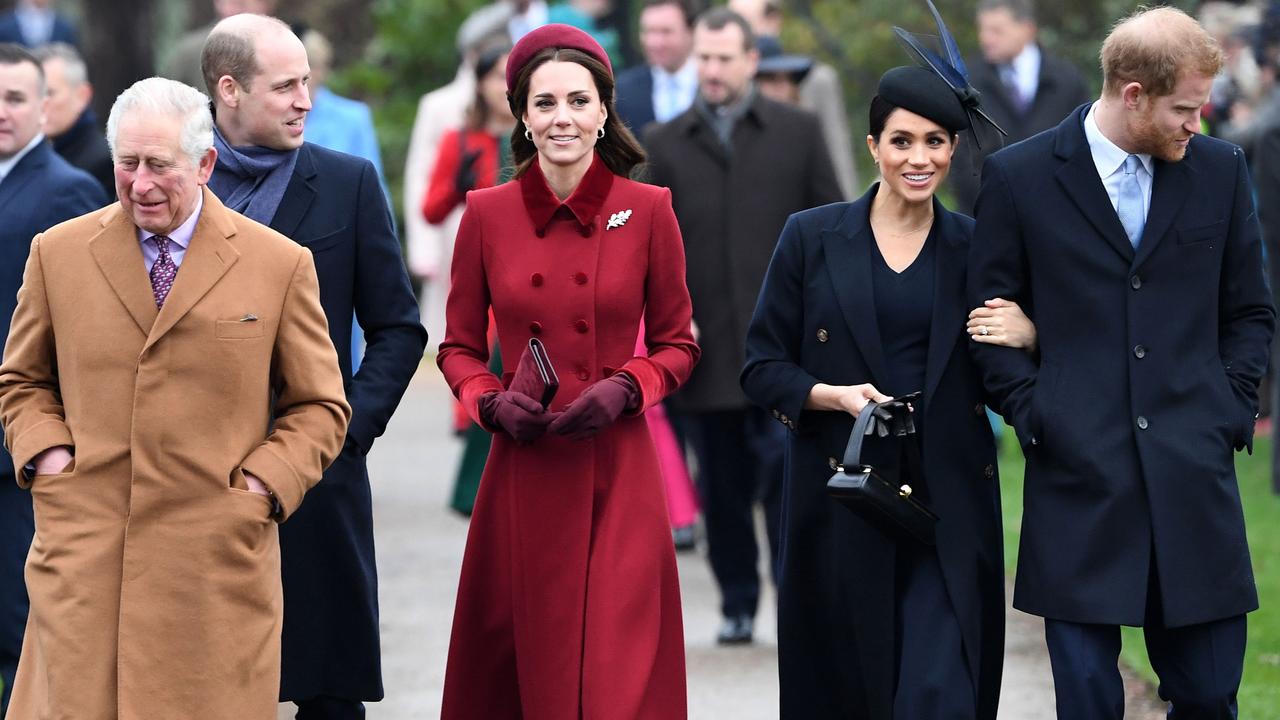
(618, 219)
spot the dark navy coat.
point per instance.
(335, 207)
(633, 99)
(1146, 378)
(11, 30)
(816, 322)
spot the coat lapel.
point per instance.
(1168, 195)
(948, 316)
(1079, 177)
(298, 196)
(208, 258)
(119, 256)
(847, 248)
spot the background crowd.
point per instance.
(416, 87)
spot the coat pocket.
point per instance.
(1204, 233)
(238, 329)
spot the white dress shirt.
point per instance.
(179, 239)
(673, 93)
(1026, 72)
(1109, 159)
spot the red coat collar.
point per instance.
(583, 204)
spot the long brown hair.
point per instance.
(619, 149)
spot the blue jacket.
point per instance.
(1146, 378)
(335, 207)
(11, 31)
(816, 321)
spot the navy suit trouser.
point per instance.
(1199, 666)
(739, 461)
(16, 530)
(329, 708)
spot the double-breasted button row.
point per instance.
(1142, 423)
(535, 327)
(583, 374)
(537, 279)
(1135, 282)
(782, 418)
(834, 464)
(581, 326)
(823, 335)
(1139, 351)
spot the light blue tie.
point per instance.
(1129, 204)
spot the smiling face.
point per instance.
(21, 107)
(914, 154)
(155, 180)
(1162, 126)
(271, 110)
(563, 113)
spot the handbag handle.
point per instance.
(862, 427)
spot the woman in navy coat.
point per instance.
(863, 301)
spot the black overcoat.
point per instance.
(335, 207)
(816, 322)
(1146, 378)
(1059, 90)
(731, 205)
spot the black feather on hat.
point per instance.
(948, 68)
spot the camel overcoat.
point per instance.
(154, 574)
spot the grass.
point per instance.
(1260, 691)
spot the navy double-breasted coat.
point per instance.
(816, 322)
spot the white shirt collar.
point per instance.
(1107, 156)
(182, 235)
(7, 166)
(1027, 63)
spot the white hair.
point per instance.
(74, 72)
(161, 96)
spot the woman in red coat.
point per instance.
(569, 601)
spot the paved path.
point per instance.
(420, 546)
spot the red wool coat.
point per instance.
(569, 602)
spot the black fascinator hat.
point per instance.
(947, 66)
(922, 92)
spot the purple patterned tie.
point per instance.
(163, 271)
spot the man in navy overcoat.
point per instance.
(1134, 244)
(38, 189)
(333, 204)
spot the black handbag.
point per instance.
(871, 495)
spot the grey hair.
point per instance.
(74, 70)
(156, 95)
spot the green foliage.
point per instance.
(412, 53)
(1260, 690)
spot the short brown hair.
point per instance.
(231, 49)
(1154, 47)
(619, 149)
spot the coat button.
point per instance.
(823, 335)
(1135, 282)
(977, 409)
(989, 471)
(536, 279)
(535, 327)
(581, 326)
(580, 278)
(1142, 423)
(1139, 352)
(583, 375)
(833, 463)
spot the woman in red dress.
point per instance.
(569, 602)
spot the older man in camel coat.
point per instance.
(168, 389)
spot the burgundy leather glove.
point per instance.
(519, 415)
(596, 408)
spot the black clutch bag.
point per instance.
(866, 491)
